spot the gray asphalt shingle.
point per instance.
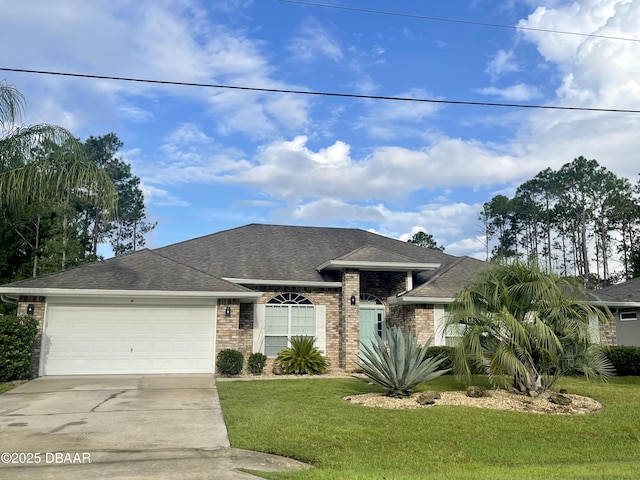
(260, 252)
(447, 282)
(141, 270)
(628, 291)
(274, 252)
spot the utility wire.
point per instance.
(451, 20)
(317, 93)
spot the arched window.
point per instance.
(290, 299)
(287, 315)
(370, 299)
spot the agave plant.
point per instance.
(400, 364)
(302, 357)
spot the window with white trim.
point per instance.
(628, 316)
(287, 315)
(451, 333)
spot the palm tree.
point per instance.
(27, 177)
(31, 176)
(533, 327)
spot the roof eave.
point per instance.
(76, 292)
(377, 266)
(284, 283)
(617, 304)
(409, 300)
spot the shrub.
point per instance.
(446, 353)
(229, 362)
(17, 335)
(302, 358)
(626, 360)
(401, 365)
(256, 363)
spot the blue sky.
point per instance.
(213, 159)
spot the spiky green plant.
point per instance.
(400, 364)
(302, 357)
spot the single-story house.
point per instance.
(623, 300)
(171, 309)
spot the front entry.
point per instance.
(372, 323)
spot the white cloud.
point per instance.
(159, 196)
(189, 156)
(587, 16)
(503, 62)
(517, 93)
(395, 119)
(134, 113)
(472, 247)
(296, 160)
(165, 39)
(314, 41)
(333, 185)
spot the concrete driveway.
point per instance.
(121, 426)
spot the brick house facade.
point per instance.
(172, 309)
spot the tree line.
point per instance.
(580, 220)
(60, 198)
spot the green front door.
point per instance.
(372, 323)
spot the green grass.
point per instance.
(307, 420)
(6, 386)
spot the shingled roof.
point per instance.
(253, 252)
(447, 282)
(275, 252)
(141, 270)
(628, 291)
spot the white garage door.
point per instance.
(121, 338)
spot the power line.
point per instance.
(451, 20)
(317, 93)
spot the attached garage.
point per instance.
(139, 313)
(127, 336)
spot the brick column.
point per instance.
(38, 313)
(424, 323)
(228, 332)
(350, 319)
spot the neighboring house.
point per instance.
(623, 301)
(170, 310)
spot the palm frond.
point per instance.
(11, 104)
(524, 323)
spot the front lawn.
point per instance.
(6, 386)
(307, 420)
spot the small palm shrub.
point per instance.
(401, 365)
(302, 357)
(256, 363)
(229, 362)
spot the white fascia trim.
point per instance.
(284, 283)
(377, 266)
(418, 300)
(66, 292)
(600, 303)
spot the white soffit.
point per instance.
(285, 283)
(378, 266)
